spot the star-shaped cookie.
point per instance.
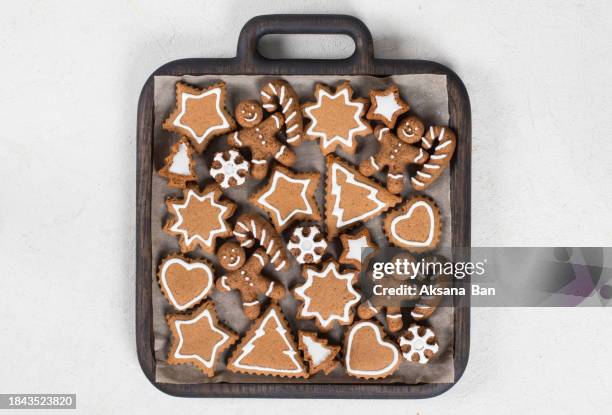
(387, 106)
(336, 118)
(288, 196)
(328, 295)
(353, 247)
(200, 114)
(198, 338)
(199, 218)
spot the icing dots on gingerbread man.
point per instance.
(260, 137)
(247, 277)
(200, 114)
(199, 218)
(395, 155)
(336, 118)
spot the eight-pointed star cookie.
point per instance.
(199, 218)
(200, 114)
(336, 118)
(198, 338)
(288, 196)
(353, 247)
(387, 106)
(328, 295)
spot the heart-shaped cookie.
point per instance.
(415, 225)
(184, 282)
(366, 353)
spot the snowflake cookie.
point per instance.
(229, 168)
(307, 244)
(419, 344)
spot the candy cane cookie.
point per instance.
(280, 93)
(440, 142)
(251, 227)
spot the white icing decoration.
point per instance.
(379, 340)
(337, 190)
(185, 96)
(224, 336)
(318, 352)
(181, 162)
(248, 348)
(355, 247)
(230, 168)
(188, 267)
(327, 141)
(178, 207)
(311, 274)
(307, 244)
(273, 188)
(387, 106)
(407, 215)
(418, 344)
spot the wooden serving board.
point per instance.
(249, 61)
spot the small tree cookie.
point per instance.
(260, 137)
(394, 154)
(245, 276)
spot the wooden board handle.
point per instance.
(319, 24)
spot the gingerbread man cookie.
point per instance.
(260, 137)
(280, 93)
(394, 154)
(245, 276)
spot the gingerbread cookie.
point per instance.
(249, 113)
(441, 141)
(288, 196)
(280, 93)
(328, 296)
(393, 315)
(261, 140)
(199, 218)
(356, 246)
(419, 344)
(252, 227)
(415, 225)
(184, 281)
(386, 106)
(410, 129)
(319, 355)
(247, 278)
(200, 114)
(229, 168)
(395, 155)
(336, 119)
(179, 166)
(198, 338)
(426, 305)
(367, 355)
(307, 244)
(268, 348)
(351, 198)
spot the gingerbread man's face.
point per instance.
(410, 129)
(231, 256)
(249, 113)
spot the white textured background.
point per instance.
(538, 75)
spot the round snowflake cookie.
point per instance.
(229, 168)
(418, 344)
(307, 244)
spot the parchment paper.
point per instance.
(427, 96)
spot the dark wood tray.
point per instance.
(249, 61)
